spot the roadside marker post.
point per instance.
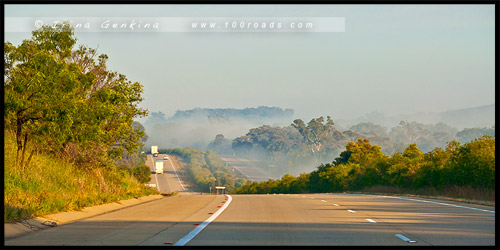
(222, 190)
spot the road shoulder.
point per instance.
(12, 230)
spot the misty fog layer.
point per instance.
(197, 127)
(267, 135)
(475, 117)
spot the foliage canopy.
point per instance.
(63, 100)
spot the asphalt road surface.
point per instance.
(337, 219)
(169, 181)
(276, 219)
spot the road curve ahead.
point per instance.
(282, 220)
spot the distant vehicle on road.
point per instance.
(159, 166)
(165, 157)
(154, 151)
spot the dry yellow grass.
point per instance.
(50, 185)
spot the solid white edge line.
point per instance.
(404, 238)
(198, 229)
(434, 202)
(172, 163)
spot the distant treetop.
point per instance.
(261, 112)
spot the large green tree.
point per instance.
(42, 89)
(61, 99)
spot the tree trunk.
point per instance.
(19, 156)
(29, 158)
(19, 143)
(24, 148)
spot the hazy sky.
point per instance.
(391, 59)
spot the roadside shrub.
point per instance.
(142, 173)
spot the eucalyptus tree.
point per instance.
(41, 89)
(62, 99)
(317, 133)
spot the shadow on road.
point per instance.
(242, 233)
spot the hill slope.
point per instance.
(50, 185)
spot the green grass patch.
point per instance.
(50, 185)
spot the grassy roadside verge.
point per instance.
(51, 185)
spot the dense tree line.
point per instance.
(206, 169)
(321, 141)
(362, 165)
(299, 143)
(63, 100)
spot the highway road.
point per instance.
(277, 219)
(340, 219)
(248, 169)
(170, 180)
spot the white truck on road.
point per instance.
(159, 166)
(154, 151)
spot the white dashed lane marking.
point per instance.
(404, 238)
